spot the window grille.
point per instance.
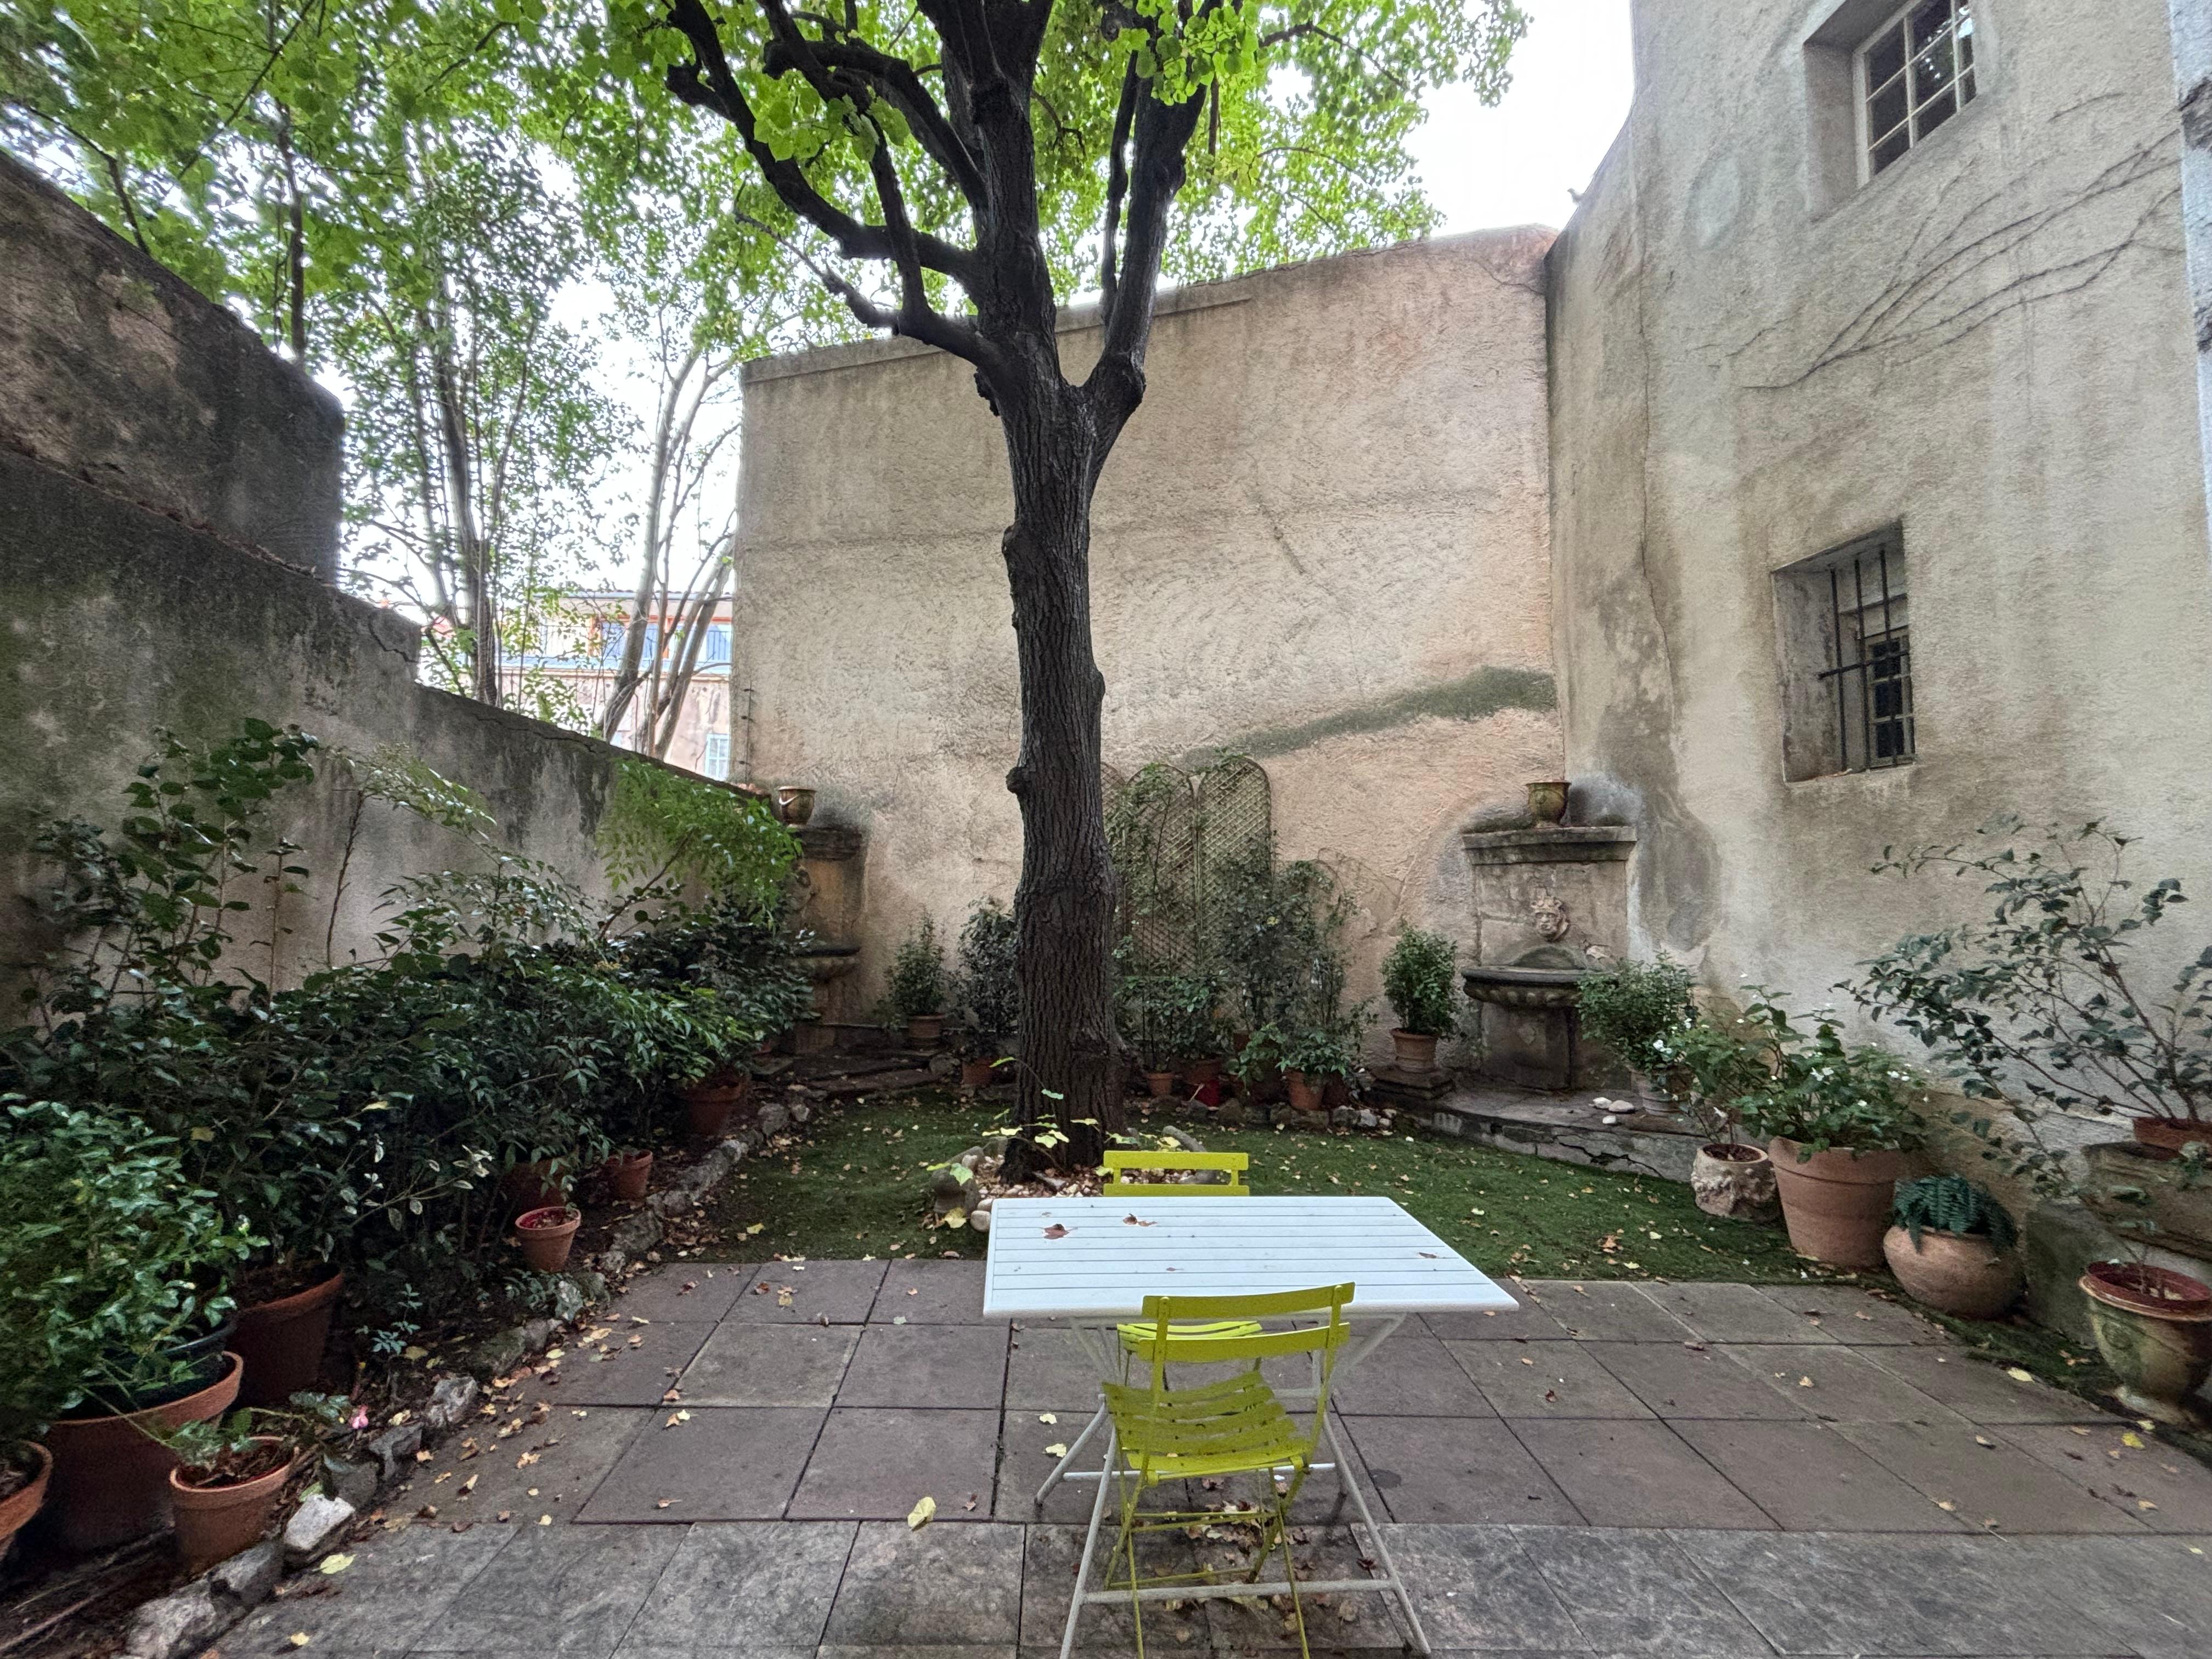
(1847, 661)
(1915, 72)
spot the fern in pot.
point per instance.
(1951, 1245)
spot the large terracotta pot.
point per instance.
(20, 1505)
(1159, 1084)
(1305, 1094)
(1836, 1204)
(111, 1479)
(1415, 1053)
(976, 1074)
(1731, 1179)
(2171, 1133)
(1962, 1274)
(548, 1235)
(216, 1522)
(282, 1341)
(708, 1104)
(2161, 1358)
(924, 1031)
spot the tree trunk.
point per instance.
(1065, 904)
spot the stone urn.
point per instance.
(1729, 1178)
(794, 806)
(1837, 1203)
(2154, 1329)
(1962, 1274)
(1547, 802)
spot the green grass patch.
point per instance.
(855, 1186)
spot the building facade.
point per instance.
(1832, 483)
(570, 673)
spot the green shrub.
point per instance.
(916, 986)
(1825, 1094)
(1952, 1204)
(1167, 1018)
(109, 1257)
(1633, 1008)
(1418, 979)
(987, 996)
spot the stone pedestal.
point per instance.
(828, 893)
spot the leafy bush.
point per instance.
(2040, 1006)
(1167, 1018)
(1633, 1008)
(916, 986)
(1721, 1062)
(664, 830)
(110, 1257)
(1825, 1094)
(987, 996)
(1952, 1204)
(1418, 980)
(1279, 940)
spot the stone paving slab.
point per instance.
(842, 1292)
(1840, 1384)
(1607, 1310)
(1717, 1311)
(566, 1591)
(754, 1364)
(725, 1464)
(1977, 1390)
(1810, 1478)
(1635, 1474)
(1545, 1379)
(876, 1464)
(746, 1585)
(634, 1366)
(1410, 1376)
(1676, 1380)
(701, 1290)
(570, 1455)
(931, 1293)
(952, 1365)
(951, 1585)
(1992, 1484)
(2164, 1489)
(1447, 1470)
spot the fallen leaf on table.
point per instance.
(335, 1563)
(918, 1517)
(1055, 1231)
(1431, 1254)
(1132, 1221)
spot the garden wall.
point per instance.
(1321, 542)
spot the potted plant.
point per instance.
(628, 1175)
(1632, 1008)
(916, 988)
(1951, 1246)
(1319, 1056)
(1418, 979)
(1718, 1062)
(547, 1235)
(231, 1470)
(988, 1000)
(25, 1468)
(110, 1270)
(1839, 1119)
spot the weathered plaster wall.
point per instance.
(1321, 542)
(1989, 343)
(119, 620)
(115, 368)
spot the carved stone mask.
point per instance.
(1549, 913)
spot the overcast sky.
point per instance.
(1514, 165)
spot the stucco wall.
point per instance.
(1990, 345)
(1321, 542)
(119, 370)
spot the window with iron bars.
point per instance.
(1844, 626)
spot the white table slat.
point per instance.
(1104, 1267)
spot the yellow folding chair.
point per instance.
(1233, 1425)
(1121, 1168)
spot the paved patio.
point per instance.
(1703, 1469)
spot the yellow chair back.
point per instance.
(1119, 1167)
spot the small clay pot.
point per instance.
(548, 1235)
(1159, 1084)
(708, 1104)
(534, 1185)
(1962, 1274)
(1415, 1052)
(110, 1477)
(216, 1522)
(2162, 1358)
(1305, 1096)
(923, 1030)
(1548, 803)
(19, 1506)
(629, 1174)
(794, 806)
(1729, 1178)
(976, 1074)
(1837, 1203)
(282, 1341)
(2171, 1133)
(1199, 1073)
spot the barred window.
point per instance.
(1915, 73)
(1846, 638)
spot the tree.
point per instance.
(991, 150)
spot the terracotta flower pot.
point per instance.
(2160, 1358)
(547, 1236)
(1836, 1204)
(708, 1104)
(923, 1030)
(2146, 1289)
(1729, 1178)
(629, 1173)
(2171, 1133)
(1199, 1073)
(17, 1508)
(1305, 1096)
(1415, 1053)
(216, 1522)
(282, 1341)
(111, 1479)
(1962, 1274)
(976, 1074)
(1159, 1084)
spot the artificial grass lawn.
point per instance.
(855, 1186)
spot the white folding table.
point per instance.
(1090, 1262)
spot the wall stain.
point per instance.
(1476, 696)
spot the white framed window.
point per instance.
(715, 761)
(1913, 74)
